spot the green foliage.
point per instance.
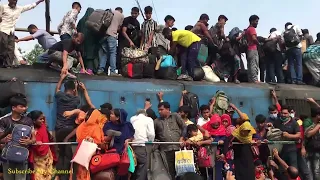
(33, 55)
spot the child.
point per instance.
(148, 28)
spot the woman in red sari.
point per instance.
(41, 157)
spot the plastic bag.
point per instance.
(184, 161)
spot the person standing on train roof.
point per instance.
(68, 27)
(108, 50)
(169, 21)
(9, 15)
(148, 29)
(190, 46)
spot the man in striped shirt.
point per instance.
(148, 28)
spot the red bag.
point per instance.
(124, 164)
(204, 158)
(100, 162)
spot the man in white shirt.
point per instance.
(144, 131)
(9, 16)
(275, 59)
(294, 53)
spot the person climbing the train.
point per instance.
(66, 100)
(59, 55)
(67, 28)
(8, 19)
(45, 39)
(189, 44)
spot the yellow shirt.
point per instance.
(185, 38)
(198, 137)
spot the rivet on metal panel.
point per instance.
(122, 100)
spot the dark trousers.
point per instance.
(295, 64)
(170, 156)
(65, 152)
(274, 67)
(189, 58)
(304, 171)
(7, 45)
(141, 171)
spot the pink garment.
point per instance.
(230, 127)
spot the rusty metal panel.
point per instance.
(302, 107)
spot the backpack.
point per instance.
(99, 20)
(291, 38)
(13, 151)
(192, 100)
(274, 134)
(243, 44)
(222, 103)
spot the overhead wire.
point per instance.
(140, 9)
(155, 11)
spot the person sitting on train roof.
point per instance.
(67, 28)
(190, 46)
(9, 15)
(59, 54)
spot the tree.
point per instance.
(33, 55)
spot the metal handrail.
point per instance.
(150, 143)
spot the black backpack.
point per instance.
(192, 100)
(291, 38)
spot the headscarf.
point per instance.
(126, 129)
(220, 131)
(230, 127)
(245, 126)
(91, 127)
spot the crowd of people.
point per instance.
(278, 58)
(110, 128)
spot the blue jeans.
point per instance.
(43, 58)
(295, 64)
(313, 160)
(65, 36)
(108, 51)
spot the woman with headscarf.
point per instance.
(89, 129)
(118, 122)
(90, 46)
(227, 123)
(218, 132)
(243, 155)
(41, 157)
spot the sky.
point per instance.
(272, 13)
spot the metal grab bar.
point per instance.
(26, 30)
(150, 143)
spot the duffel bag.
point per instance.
(198, 74)
(133, 70)
(126, 60)
(169, 73)
(99, 20)
(101, 162)
(133, 53)
(148, 70)
(10, 89)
